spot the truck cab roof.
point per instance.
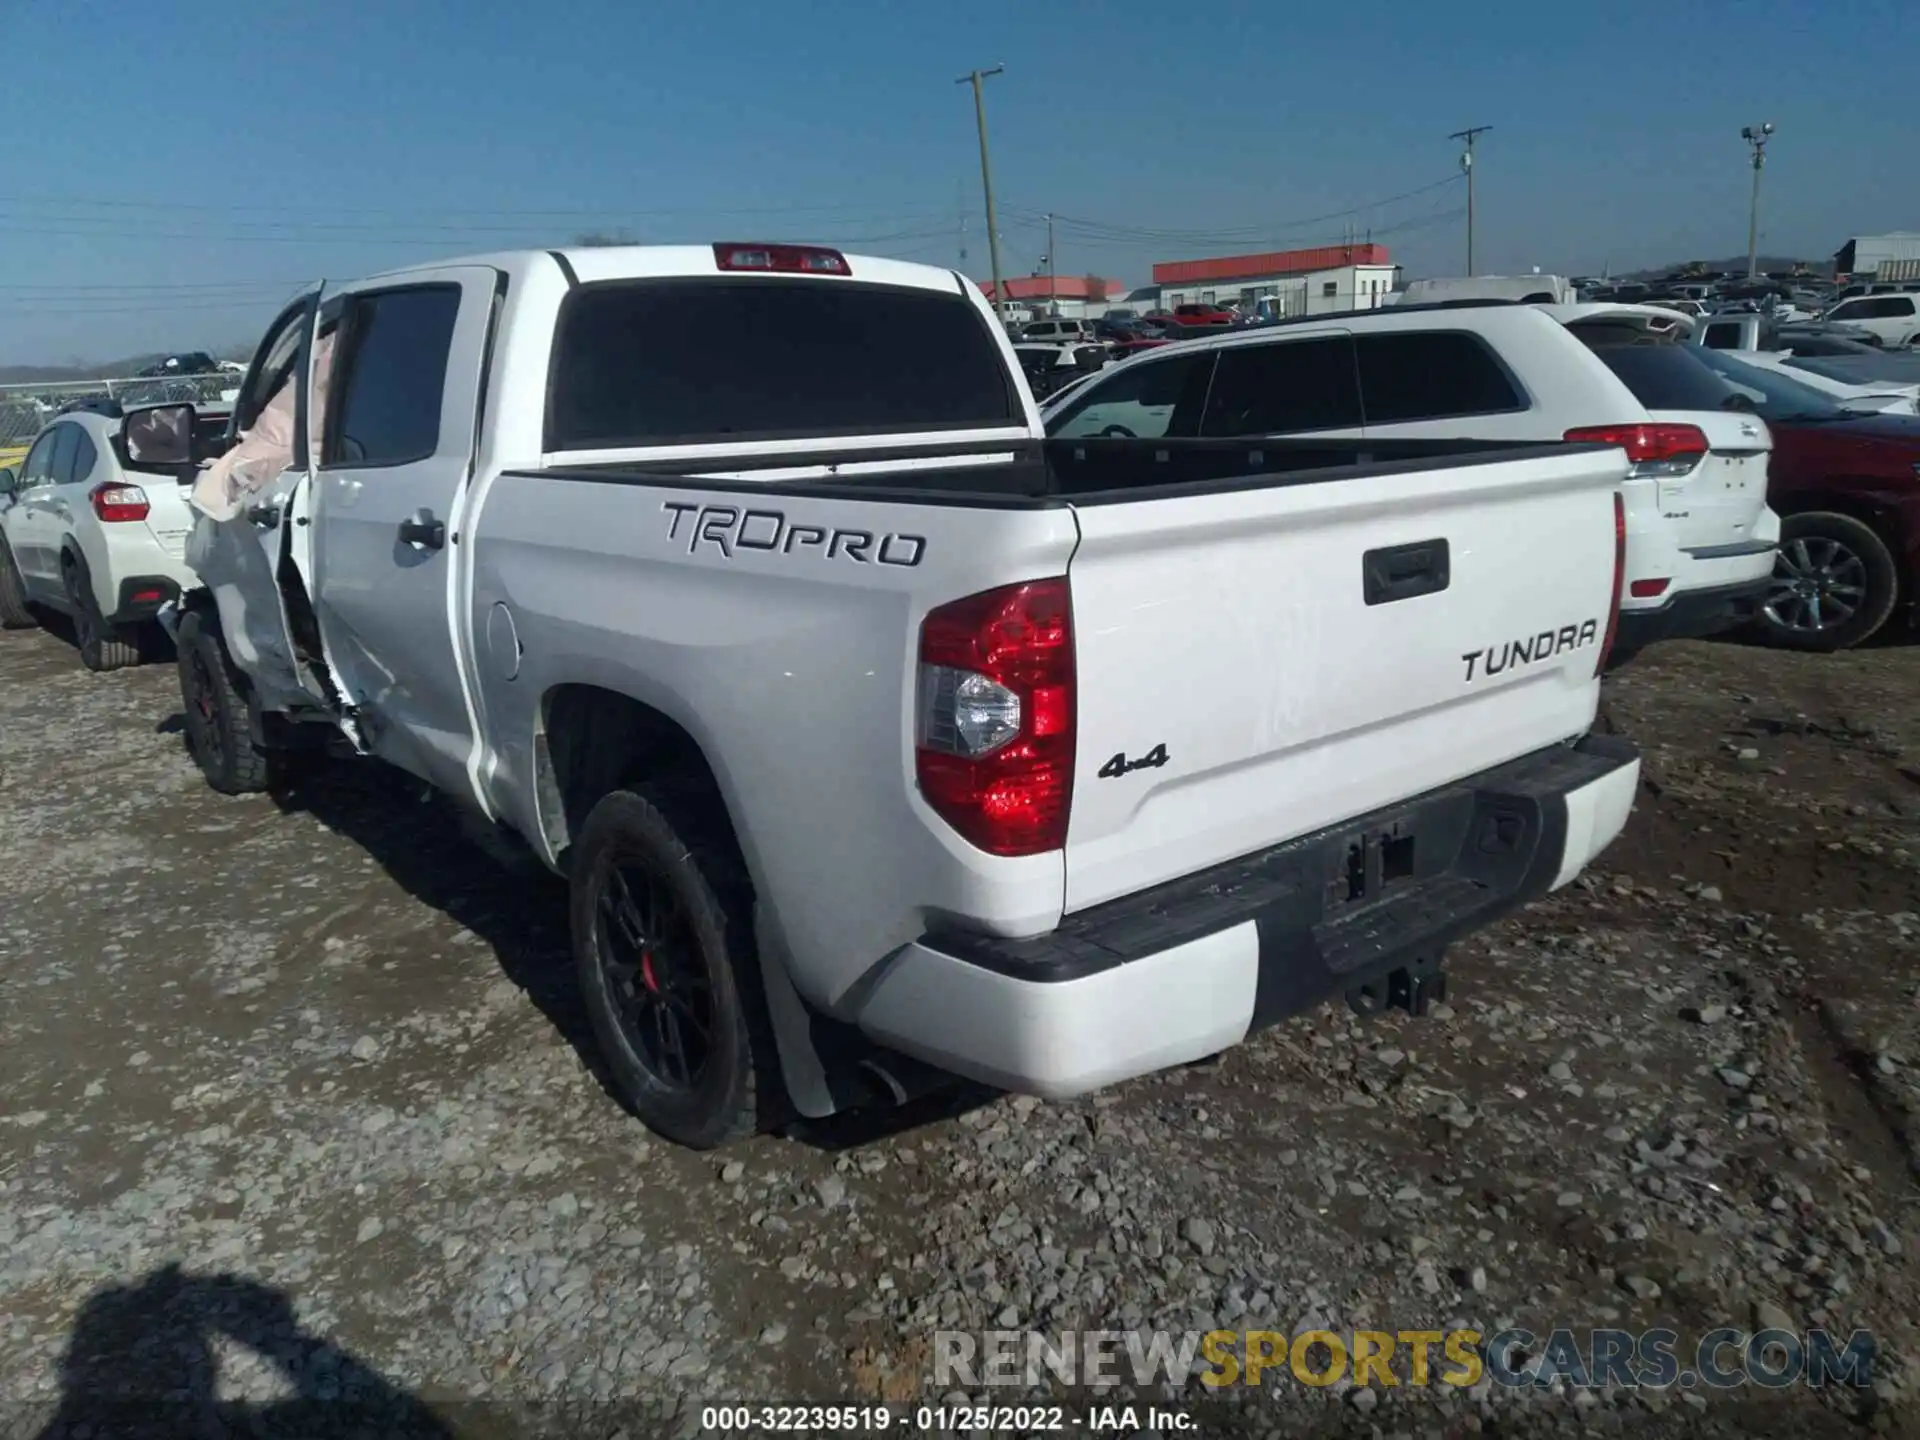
(587, 264)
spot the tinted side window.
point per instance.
(1898, 305)
(1278, 389)
(84, 456)
(278, 353)
(390, 376)
(1666, 377)
(1155, 399)
(1431, 375)
(1852, 310)
(65, 447)
(1723, 336)
(39, 465)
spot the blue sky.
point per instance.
(175, 169)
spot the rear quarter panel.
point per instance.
(792, 671)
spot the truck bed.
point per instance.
(1083, 472)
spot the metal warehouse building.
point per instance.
(1865, 256)
(1300, 282)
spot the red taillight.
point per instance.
(1652, 449)
(142, 597)
(117, 503)
(994, 735)
(785, 259)
(1647, 589)
(1619, 579)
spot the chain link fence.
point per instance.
(26, 409)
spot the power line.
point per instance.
(526, 236)
(59, 312)
(106, 224)
(600, 213)
(142, 286)
(1101, 229)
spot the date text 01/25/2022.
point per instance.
(943, 1419)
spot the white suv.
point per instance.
(1058, 332)
(1894, 319)
(78, 535)
(1700, 535)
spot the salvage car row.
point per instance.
(887, 730)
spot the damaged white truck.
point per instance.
(879, 740)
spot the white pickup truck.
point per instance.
(878, 739)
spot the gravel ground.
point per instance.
(301, 1130)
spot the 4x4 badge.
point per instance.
(1119, 765)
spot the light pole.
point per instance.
(1053, 274)
(1756, 137)
(975, 78)
(1469, 135)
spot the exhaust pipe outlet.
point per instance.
(895, 1080)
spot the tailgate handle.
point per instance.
(1400, 572)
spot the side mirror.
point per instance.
(157, 438)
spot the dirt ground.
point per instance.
(300, 1132)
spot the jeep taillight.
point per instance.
(115, 504)
(1654, 451)
(1619, 581)
(994, 734)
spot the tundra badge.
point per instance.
(1532, 649)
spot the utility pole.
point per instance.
(975, 78)
(1756, 137)
(1469, 135)
(1053, 274)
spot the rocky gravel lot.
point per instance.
(299, 1132)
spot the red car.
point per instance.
(1202, 315)
(1847, 488)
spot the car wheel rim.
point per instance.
(1819, 584)
(203, 710)
(662, 997)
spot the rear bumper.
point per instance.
(1692, 615)
(142, 597)
(1192, 967)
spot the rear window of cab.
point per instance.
(702, 360)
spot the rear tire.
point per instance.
(102, 646)
(219, 718)
(14, 614)
(662, 921)
(1834, 584)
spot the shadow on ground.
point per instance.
(500, 893)
(144, 1363)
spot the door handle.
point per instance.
(420, 528)
(263, 517)
(1400, 572)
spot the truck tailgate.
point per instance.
(1258, 663)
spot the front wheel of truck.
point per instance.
(662, 921)
(219, 722)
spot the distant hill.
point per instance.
(111, 369)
